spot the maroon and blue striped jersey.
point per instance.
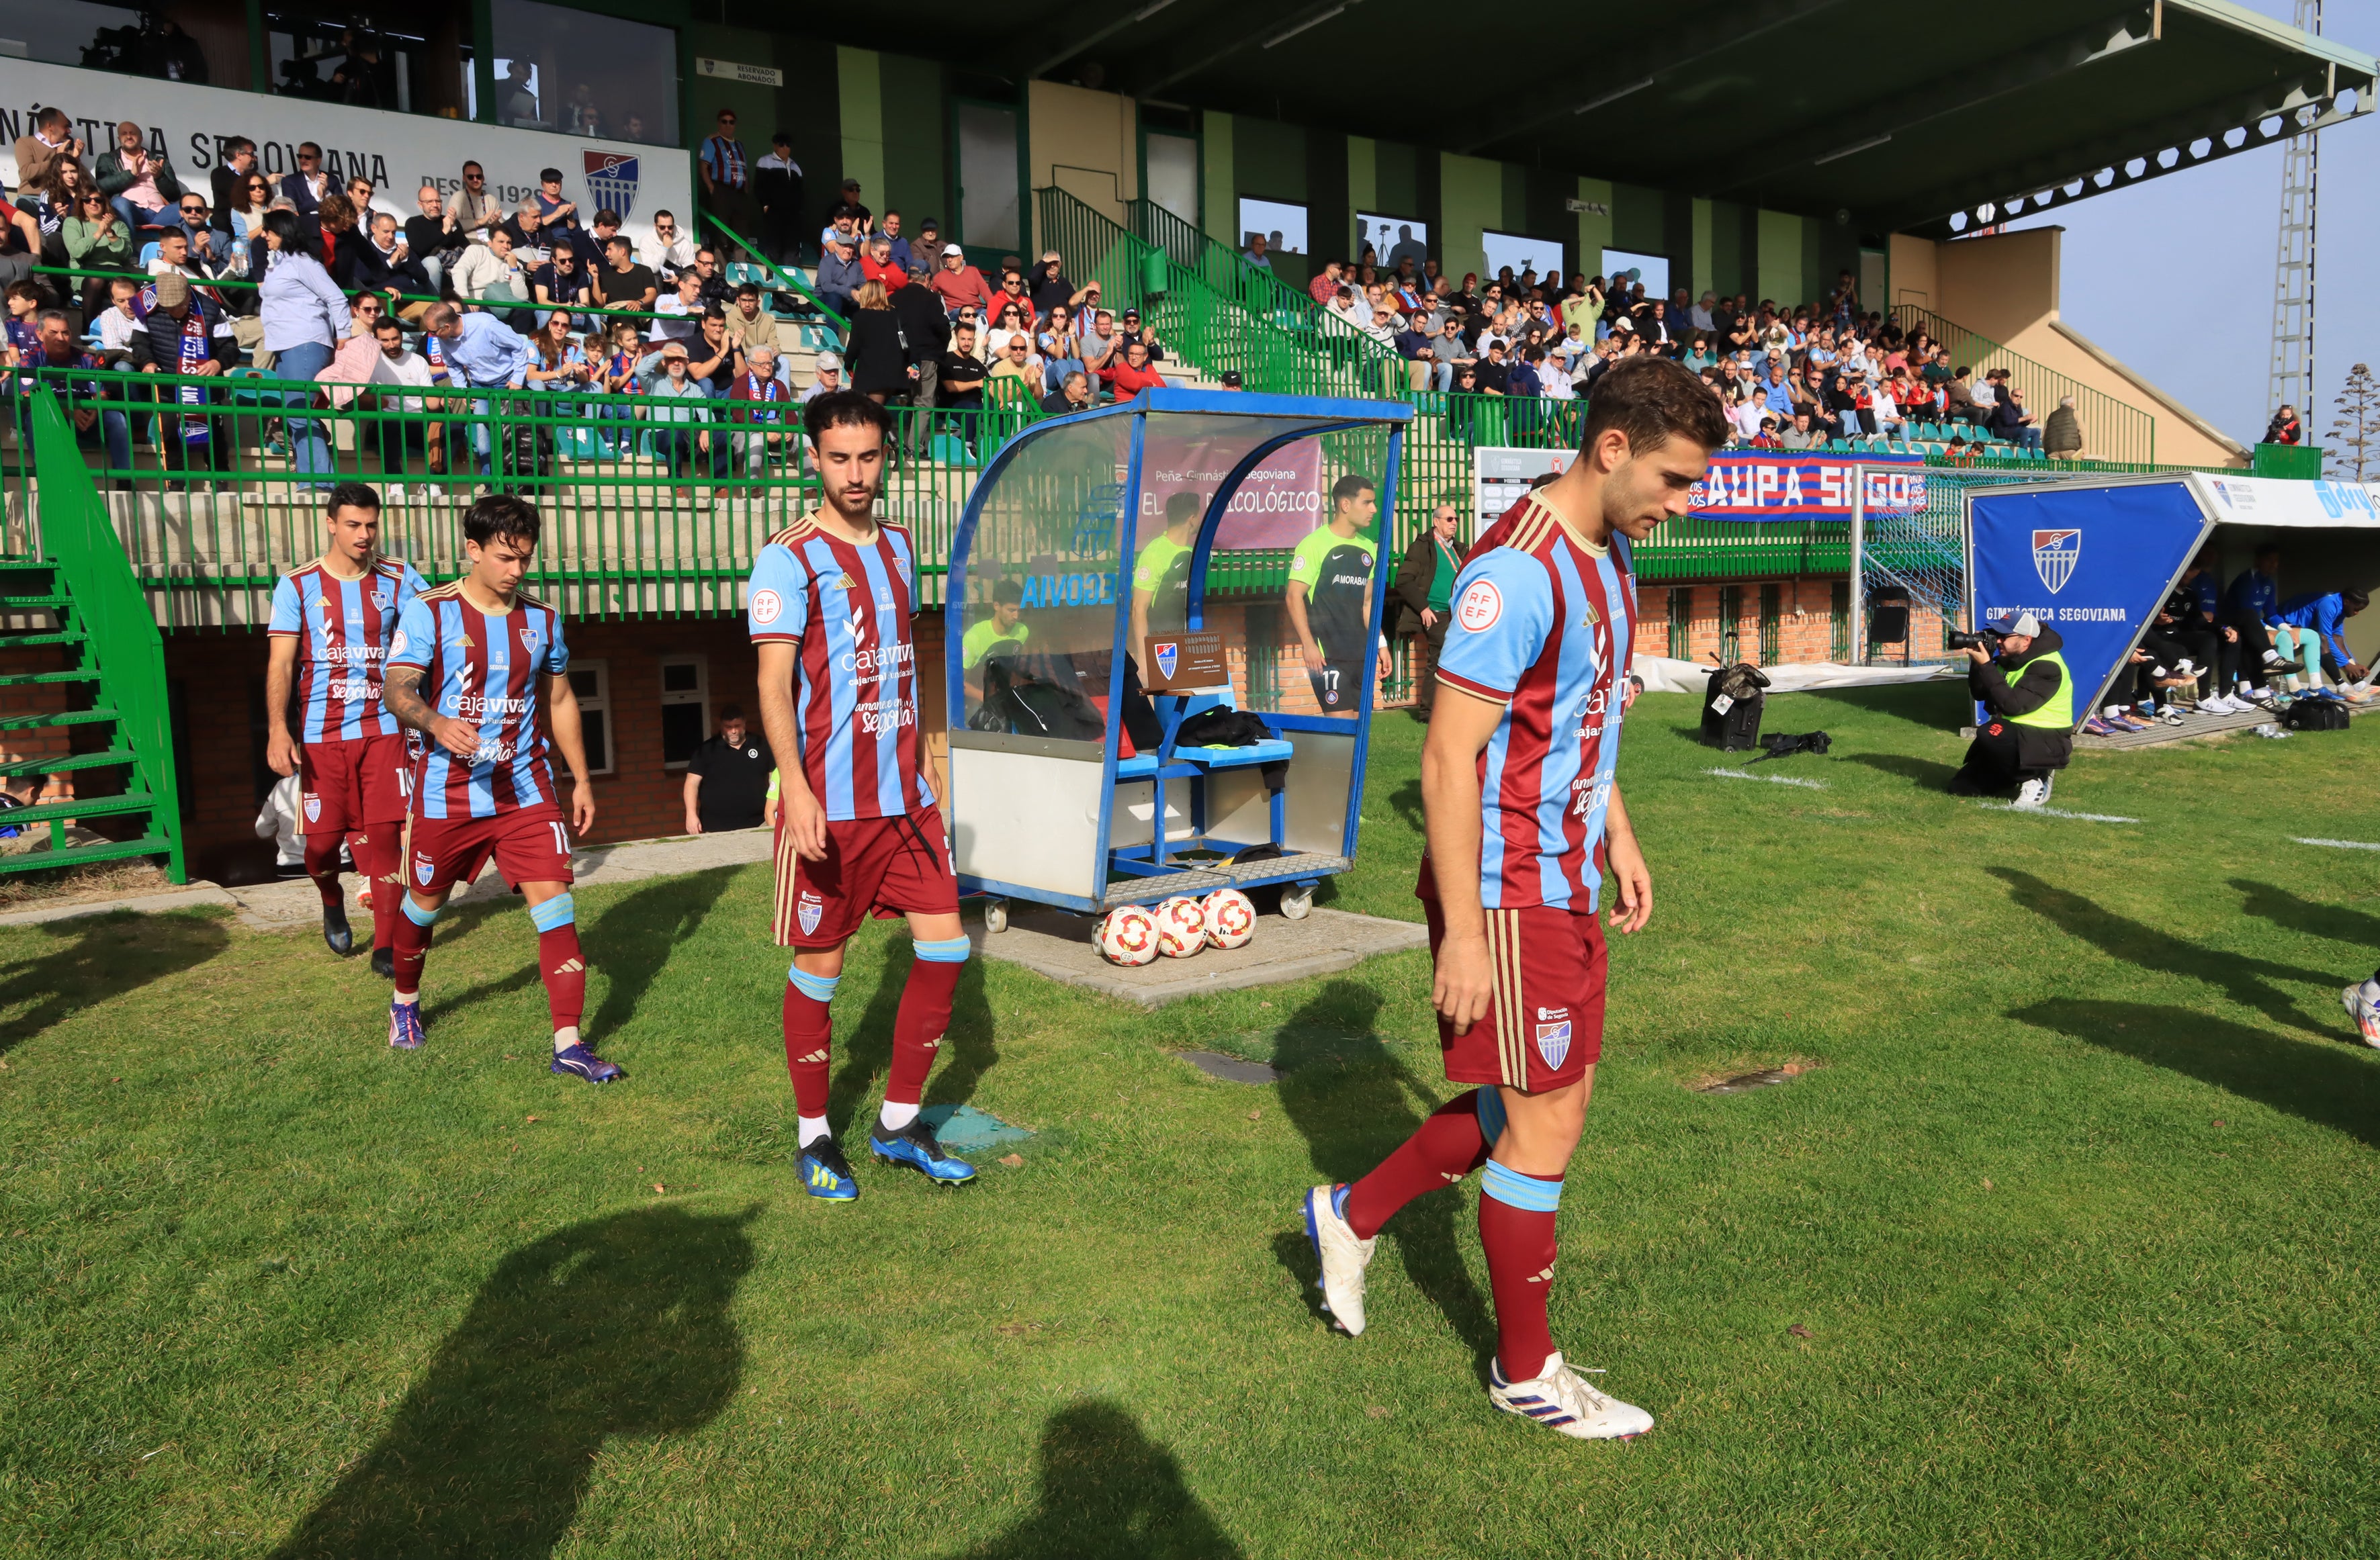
(482, 667)
(343, 628)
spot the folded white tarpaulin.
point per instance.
(1663, 675)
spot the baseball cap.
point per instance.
(1232, 378)
(2026, 625)
(830, 362)
(953, 250)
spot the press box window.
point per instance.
(592, 681)
(685, 708)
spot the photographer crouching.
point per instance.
(2022, 683)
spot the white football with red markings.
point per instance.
(1181, 927)
(1230, 918)
(1128, 937)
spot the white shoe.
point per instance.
(2366, 1016)
(1557, 1399)
(2033, 793)
(1343, 1258)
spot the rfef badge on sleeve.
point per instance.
(1174, 661)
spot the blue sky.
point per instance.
(2175, 275)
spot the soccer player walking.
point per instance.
(491, 653)
(1523, 820)
(329, 631)
(857, 826)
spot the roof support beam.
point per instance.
(1259, 37)
(1081, 43)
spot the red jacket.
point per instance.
(1128, 382)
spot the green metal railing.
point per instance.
(790, 280)
(2122, 432)
(112, 612)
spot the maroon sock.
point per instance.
(918, 1028)
(1520, 1244)
(412, 945)
(323, 866)
(810, 1041)
(565, 973)
(376, 859)
(1445, 1148)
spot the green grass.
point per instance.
(2076, 1209)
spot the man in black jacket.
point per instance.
(928, 333)
(1425, 589)
(2028, 732)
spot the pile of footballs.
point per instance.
(1177, 928)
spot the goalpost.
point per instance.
(1909, 535)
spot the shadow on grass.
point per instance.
(2244, 979)
(1355, 1102)
(82, 962)
(1406, 800)
(1939, 706)
(615, 1327)
(1926, 772)
(1108, 1493)
(2286, 910)
(462, 920)
(2335, 1088)
(632, 939)
(969, 1048)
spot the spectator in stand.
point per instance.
(777, 191)
(1134, 375)
(50, 141)
(1061, 349)
(962, 373)
(2012, 422)
(878, 265)
(493, 275)
(959, 284)
(1325, 285)
(410, 374)
(359, 192)
(382, 265)
(1010, 321)
(925, 249)
(476, 215)
(1012, 293)
(839, 276)
(228, 178)
(1419, 349)
(1495, 375)
(727, 176)
(2061, 437)
(561, 282)
(519, 99)
(116, 323)
(626, 285)
(681, 312)
(1073, 394)
(1254, 253)
(304, 315)
(673, 251)
(1015, 361)
(826, 379)
(531, 241)
(97, 239)
(1049, 286)
(880, 364)
(764, 398)
(713, 276)
(555, 209)
(748, 325)
(249, 200)
(2285, 429)
(57, 348)
(682, 438)
(903, 255)
(1146, 334)
(431, 241)
(138, 183)
(173, 258)
(336, 217)
(929, 335)
(306, 185)
(1101, 342)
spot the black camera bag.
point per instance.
(1731, 707)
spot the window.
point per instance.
(592, 681)
(1682, 622)
(1521, 252)
(588, 75)
(1392, 240)
(1280, 224)
(1651, 270)
(1172, 177)
(989, 196)
(416, 61)
(685, 708)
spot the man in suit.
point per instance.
(307, 187)
(1425, 589)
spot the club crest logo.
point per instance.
(313, 810)
(1553, 1042)
(424, 869)
(1169, 655)
(611, 180)
(2055, 554)
(808, 909)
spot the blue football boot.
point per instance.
(914, 1146)
(577, 1061)
(406, 1030)
(826, 1174)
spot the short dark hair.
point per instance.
(622, 240)
(843, 408)
(607, 217)
(1184, 505)
(1349, 486)
(502, 515)
(1653, 399)
(1007, 593)
(748, 290)
(545, 173)
(2355, 600)
(730, 712)
(351, 495)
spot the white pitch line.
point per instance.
(2339, 844)
(1773, 779)
(2055, 813)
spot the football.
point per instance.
(1128, 937)
(1181, 927)
(1231, 919)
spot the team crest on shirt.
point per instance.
(1553, 1042)
(381, 599)
(313, 808)
(808, 908)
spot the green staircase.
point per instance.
(115, 686)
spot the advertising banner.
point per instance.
(1743, 484)
(2274, 501)
(2095, 563)
(399, 153)
(1277, 507)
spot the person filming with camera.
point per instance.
(2028, 694)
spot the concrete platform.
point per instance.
(2193, 725)
(1053, 943)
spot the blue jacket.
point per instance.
(2326, 615)
(2207, 592)
(2255, 593)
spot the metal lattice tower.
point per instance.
(2292, 377)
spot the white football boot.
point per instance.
(1342, 1255)
(1557, 1399)
(2360, 1008)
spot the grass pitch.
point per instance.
(2073, 1210)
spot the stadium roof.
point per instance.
(1893, 117)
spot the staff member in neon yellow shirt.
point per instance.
(1331, 585)
(1003, 633)
(1160, 576)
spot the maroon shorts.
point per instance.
(349, 785)
(529, 844)
(1543, 1027)
(888, 865)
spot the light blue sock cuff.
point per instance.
(818, 988)
(559, 910)
(1517, 1191)
(949, 950)
(416, 915)
(1488, 1102)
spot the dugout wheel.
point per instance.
(1297, 901)
(995, 915)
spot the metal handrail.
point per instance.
(2128, 434)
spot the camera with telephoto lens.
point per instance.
(1981, 639)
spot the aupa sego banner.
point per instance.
(2095, 563)
(399, 153)
(1760, 485)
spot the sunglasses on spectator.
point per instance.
(475, 179)
(309, 157)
